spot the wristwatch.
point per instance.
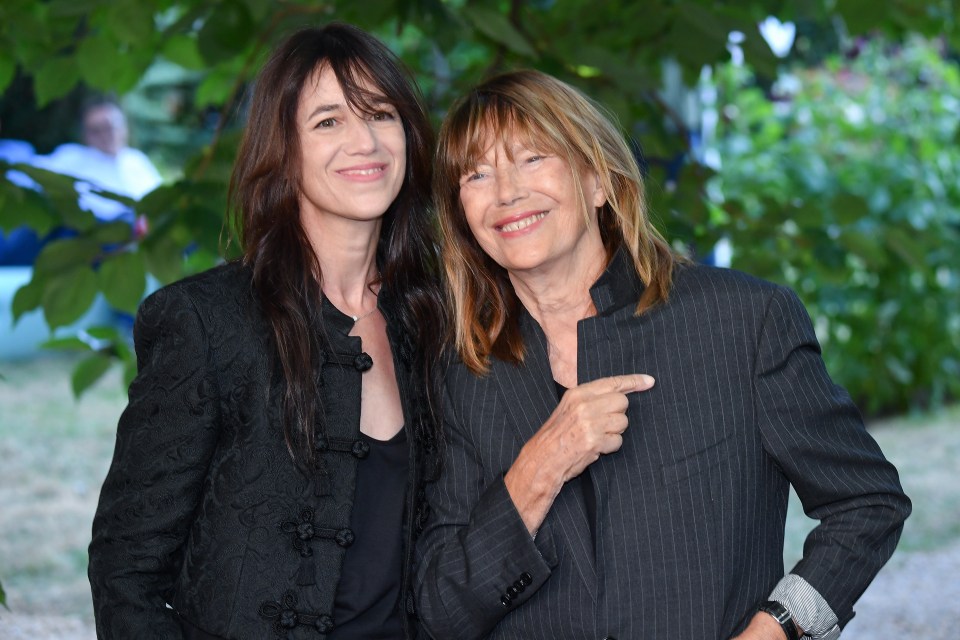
(781, 615)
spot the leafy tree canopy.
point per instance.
(188, 63)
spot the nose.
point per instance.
(510, 187)
(363, 137)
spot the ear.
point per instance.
(595, 193)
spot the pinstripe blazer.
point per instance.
(690, 512)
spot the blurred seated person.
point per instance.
(104, 162)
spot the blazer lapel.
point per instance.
(529, 392)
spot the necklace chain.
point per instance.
(360, 317)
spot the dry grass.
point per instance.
(54, 453)
(924, 449)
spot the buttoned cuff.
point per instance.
(808, 608)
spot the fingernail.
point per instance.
(648, 379)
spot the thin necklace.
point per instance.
(357, 319)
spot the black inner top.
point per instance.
(366, 606)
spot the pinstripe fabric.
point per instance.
(690, 512)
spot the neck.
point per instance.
(559, 297)
(346, 251)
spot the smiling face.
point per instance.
(352, 163)
(524, 209)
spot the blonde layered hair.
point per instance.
(551, 117)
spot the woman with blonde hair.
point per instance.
(578, 499)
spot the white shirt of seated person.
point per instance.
(104, 162)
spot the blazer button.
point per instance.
(609, 638)
(526, 579)
(362, 362)
(519, 586)
(513, 592)
(505, 600)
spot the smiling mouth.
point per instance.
(372, 171)
(523, 223)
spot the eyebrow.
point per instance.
(325, 108)
(377, 103)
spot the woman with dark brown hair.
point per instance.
(268, 468)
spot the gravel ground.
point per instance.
(913, 598)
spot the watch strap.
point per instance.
(781, 615)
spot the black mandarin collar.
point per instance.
(618, 285)
(333, 318)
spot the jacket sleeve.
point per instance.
(474, 548)
(815, 434)
(165, 439)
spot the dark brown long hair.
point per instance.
(556, 118)
(264, 198)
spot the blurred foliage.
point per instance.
(846, 187)
(183, 68)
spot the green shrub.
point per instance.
(846, 186)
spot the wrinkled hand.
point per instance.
(588, 422)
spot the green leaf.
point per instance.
(62, 196)
(498, 28)
(123, 279)
(160, 202)
(910, 251)
(28, 297)
(697, 37)
(182, 49)
(104, 333)
(88, 371)
(55, 78)
(98, 58)
(859, 16)
(67, 296)
(163, 257)
(66, 255)
(70, 343)
(7, 69)
(227, 30)
(117, 232)
(3, 597)
(129, 371)
(73, 8)
(20, 206)
(215, 88)
(866, 246)
(131, 22)
(848, 208)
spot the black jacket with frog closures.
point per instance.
(203, 513)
